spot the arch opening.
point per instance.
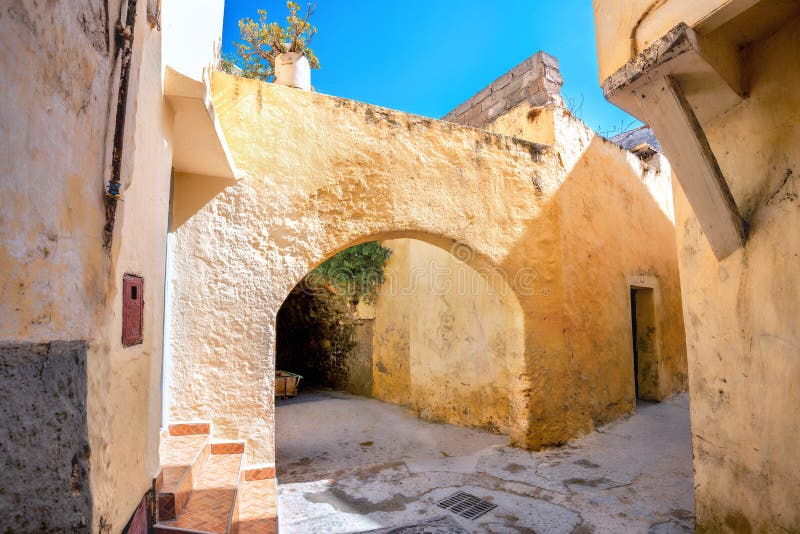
(442, 337)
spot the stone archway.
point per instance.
(321, 174)
(443, 336)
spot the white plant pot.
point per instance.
(292, 69)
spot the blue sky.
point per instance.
(428, 56)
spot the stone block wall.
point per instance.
(44, 438)
(536, 80)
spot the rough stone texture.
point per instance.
(59, 77)
(44, 439)
(742, 326)
(320, 336)
(617, 226)
(324, 173)
(372, 465)
(444, 337)
(372, 174)
(536, 81)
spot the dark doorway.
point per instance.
(645, 344)
(320, 337)
(635, 344)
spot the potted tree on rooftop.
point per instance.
(271, 52)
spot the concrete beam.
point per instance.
(654, 88)
(696, 168)
(709, 68)
(199, 145)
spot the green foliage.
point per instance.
(228, 65)
(356, 272)
(264, 40)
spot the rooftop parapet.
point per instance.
(536, 80)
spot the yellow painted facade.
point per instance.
(557, 224)
(741, 311)
(624, 29)
(446, 337)
(295, 207)
(60, 284)
(616, 222)
(519, 213)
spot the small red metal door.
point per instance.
(132, 309)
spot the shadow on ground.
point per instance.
(352, 464)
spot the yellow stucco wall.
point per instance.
(619, 237)
(618, 233)
(391, 337)
(445, 338)
(742, 312)
(60, 283)
(322, 174)
(60, 95)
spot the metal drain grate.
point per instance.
(466, 505)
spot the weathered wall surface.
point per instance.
(365, 178)
(623, 29)
(617, 228)
(533, 81)
(742, 313)
(124, 393)
(51, 192)
(617, 217)
(44, 437)
(59, 75)
(320, 336)
(58, 78)
(379, 174)
(391, 352)
(358, 366)
(462, 333)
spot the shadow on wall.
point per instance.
(320, 336)
(616, 237)
(376, 174)
(194, 191)
(442, 337)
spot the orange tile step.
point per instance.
(182, 460)
(257, 506)
(211, 507)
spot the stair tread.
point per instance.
(211, 502)
(257, 507)
(177, 454)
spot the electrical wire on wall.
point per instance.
(124, 44)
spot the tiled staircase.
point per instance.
(204, 488)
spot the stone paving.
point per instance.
(350, 464)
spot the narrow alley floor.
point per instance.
(352, 464)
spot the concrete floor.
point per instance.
(351, 464)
